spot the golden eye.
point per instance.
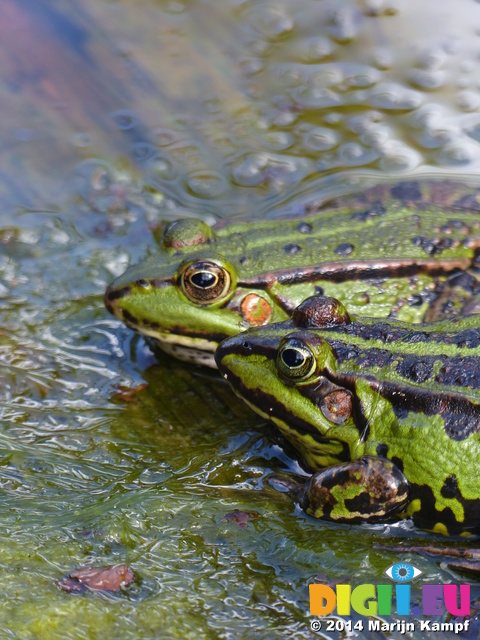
(295, 360)
(205, 282)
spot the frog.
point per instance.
(386, 414)
(406, 251)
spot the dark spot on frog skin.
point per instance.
(406, 192)
(292, 249)
(344, 249)
(304, 227)
(376, 210)
(460, 371)
(382, 450)
(415, 368)
(319, 291)
(432, 246)
(243, 260)
(415, 300)
(450, 487)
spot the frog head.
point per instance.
(188, 296)
(284, 373)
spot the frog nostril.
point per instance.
(247, 346)
(143, 283)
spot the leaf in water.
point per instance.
(129, 395)
(106, 579)
(240, 517)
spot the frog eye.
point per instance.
(205, 282)
(402, 572)
(295, 360)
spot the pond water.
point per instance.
(117, 116)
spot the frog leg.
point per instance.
(369, 489)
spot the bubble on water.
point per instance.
(343, 25)
(271, 20)
(333, 118)
(392, 96)
(316, 97)
(458, 153)
(436, 137)
(278, 140)
(427, 116)
(161, 168)
(473, 129)
(163, 137)
(467, 66)
(251, 66)
(320, 139)
(124, 119)
(427, 78)
(259, 168)
(376, 136)
(81, 139)
(353, 154)
(432, 58)
(290, 75)
(382, 58)
(315, 49)
(381, 7)
(397, 157)
(468, 100)
(206, 184)
(363, 122)
(143, 151)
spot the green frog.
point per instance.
(406, 251)
(386, 413)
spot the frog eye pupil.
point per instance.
(203, 279)
(205, 282)
(293, 358)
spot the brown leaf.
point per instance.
(240, 517)
(106, 579)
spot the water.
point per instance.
(117, 116)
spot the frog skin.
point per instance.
(389, 412)
(389, 252)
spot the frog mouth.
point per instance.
(192, 350)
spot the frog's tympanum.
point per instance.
(406, 252)
(388, 411)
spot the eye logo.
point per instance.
(402, 572)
